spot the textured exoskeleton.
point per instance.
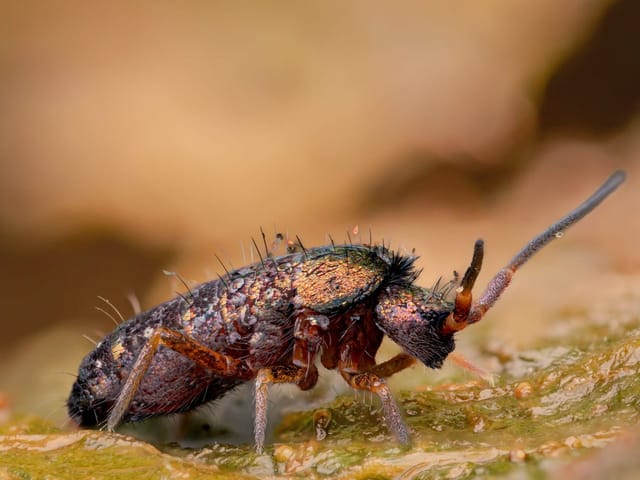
(270, 321)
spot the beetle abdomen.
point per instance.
(247, 315)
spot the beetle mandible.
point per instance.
(269, 321)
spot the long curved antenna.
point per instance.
(501, 281)
(557, 229)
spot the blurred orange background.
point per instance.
(137, 137)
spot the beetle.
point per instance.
(269, 322)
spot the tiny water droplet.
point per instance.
(559, 234)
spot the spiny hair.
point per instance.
(402, 269)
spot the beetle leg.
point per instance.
(393, 365)
(376, 384)
(220, 364)
(304, 376)
(351, 355)
(308, 331)
(308, 336)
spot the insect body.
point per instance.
(270, 321)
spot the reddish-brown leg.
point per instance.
(393, 365)
(373, 383)
(350, 355)
(202, 356)
(308, 331)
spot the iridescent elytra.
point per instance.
(270, 321)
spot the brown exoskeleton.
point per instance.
(269, 322)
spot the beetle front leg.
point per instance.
(394, 365)
(369, 378)
(220, 364)
(373, 383)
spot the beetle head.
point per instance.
(422, 321)
(413, 317)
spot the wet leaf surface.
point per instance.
(550, 406)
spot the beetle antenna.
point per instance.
(501, 280)
(462, 305)
(463, 295)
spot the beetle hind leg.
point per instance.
(219, 364)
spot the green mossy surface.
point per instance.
(550, 406)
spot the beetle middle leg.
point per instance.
(304, 376)
(308, 336)
(217, 363)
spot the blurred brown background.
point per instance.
(136, 137)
